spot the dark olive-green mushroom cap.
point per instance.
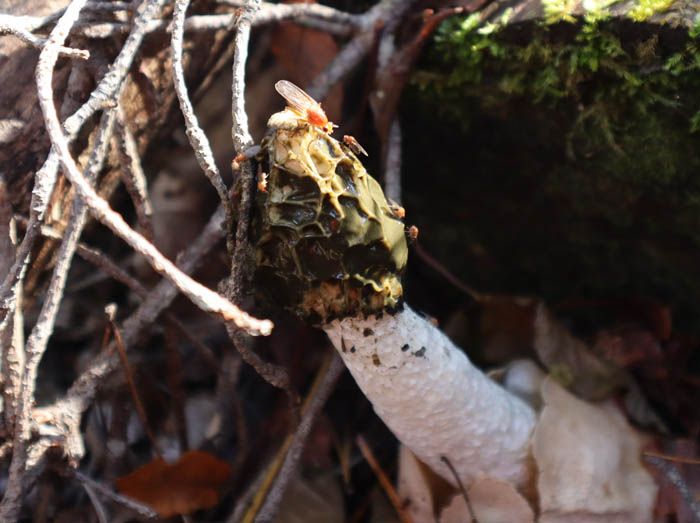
(328, 243)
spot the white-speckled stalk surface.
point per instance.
(433, 399)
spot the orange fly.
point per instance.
(305, 106)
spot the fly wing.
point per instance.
(296, 97)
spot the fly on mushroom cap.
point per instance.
(327, 241)
(304, 105)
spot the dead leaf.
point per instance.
(570, 361)
(190, 484)
(589, 462)
(317, 500)
(493, 501)
(421, 491)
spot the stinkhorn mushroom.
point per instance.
(330, 248)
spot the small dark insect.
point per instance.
(306, 107)
(354, 145)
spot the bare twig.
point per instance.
(389, 489)
(67, 411)
(8, 25)
(130, 381)
(97, 505)
(139, 508)
(358, 47)
(195, 134)
(445, 273)
(200, 295)
(12, 501)
(267, 500)
(104, 94)
(39, 337)
(239, 132)
(11, 329)
(669, 470)
(309, 15)
(132, 174)
(270, 12)
(45, 178)
(462, 490)
(242, 141)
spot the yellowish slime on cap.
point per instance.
(328, 243)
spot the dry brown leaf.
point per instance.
(589, 462)
(190, 484)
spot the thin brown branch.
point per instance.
(445, 273)
(129, 375)
(282, 471)
(383, 479)
(462, 490)
(67, 412)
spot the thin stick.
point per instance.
(36, 344)
(45, 178)
(97, 505)
(196, 136)
(139, 508)
(8, 25)
(674, 476)
(273, 374)
(383, 480)
(132, 174)
(442, 270)
(462, 490)
(358, 47)
(266, 501)
(204, 298)
(132, 384)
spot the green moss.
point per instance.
(577, 152)
(646, 8)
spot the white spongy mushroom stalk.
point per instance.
(434, 400)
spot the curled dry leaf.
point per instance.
(571, 361)
(424, 494)
(493, 501)
(589, 462)
(190, 484)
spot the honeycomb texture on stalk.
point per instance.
(327, 242)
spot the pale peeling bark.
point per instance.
(434, 400)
